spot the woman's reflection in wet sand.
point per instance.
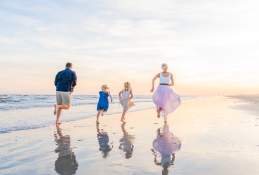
(103, 140)
(126, 143)
(66, 163)
(164, 148)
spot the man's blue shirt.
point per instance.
(65, 80)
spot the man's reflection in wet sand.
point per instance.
(164, 148)
(126, 142)
(103, 140)
(66, 163)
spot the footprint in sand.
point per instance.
(156, 123)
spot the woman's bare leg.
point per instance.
(165, 119)
(158, 112)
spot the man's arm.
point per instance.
(74, 81)
(56, 79)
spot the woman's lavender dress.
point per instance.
(166, 99)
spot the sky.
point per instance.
(211, 46)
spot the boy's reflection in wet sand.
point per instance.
(66, 163)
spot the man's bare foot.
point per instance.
(55, 109)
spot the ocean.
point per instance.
(23, 112)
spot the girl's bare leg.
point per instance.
(98, 116)
(123, 116)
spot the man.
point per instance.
(65, 82)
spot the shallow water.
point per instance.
(216, 139)
(23, 112)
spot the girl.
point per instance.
(125, 97)
(164, 97)
(103, 103)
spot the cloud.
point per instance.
(198, 38)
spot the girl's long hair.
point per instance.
(127, 86)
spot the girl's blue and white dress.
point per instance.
(103, 103)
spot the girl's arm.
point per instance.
(172, 80)
(110, 97)
(120, 95)
(131, 95)
(153, 82)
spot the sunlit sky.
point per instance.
(211, 46)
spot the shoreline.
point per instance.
(208, 128)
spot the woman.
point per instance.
(165, 99)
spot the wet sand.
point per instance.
(217, 139)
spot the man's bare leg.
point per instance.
(58, 116)
(55, 109)
(158, 112)
(59, 109)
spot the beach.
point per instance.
(218, 137)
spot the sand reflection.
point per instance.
(126, 142)
(66, 163)
(103, 140)
(165, 145)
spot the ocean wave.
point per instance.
(13, 102)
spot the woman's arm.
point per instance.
(153, 82)
(172, 80)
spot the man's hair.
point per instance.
(68, 65)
